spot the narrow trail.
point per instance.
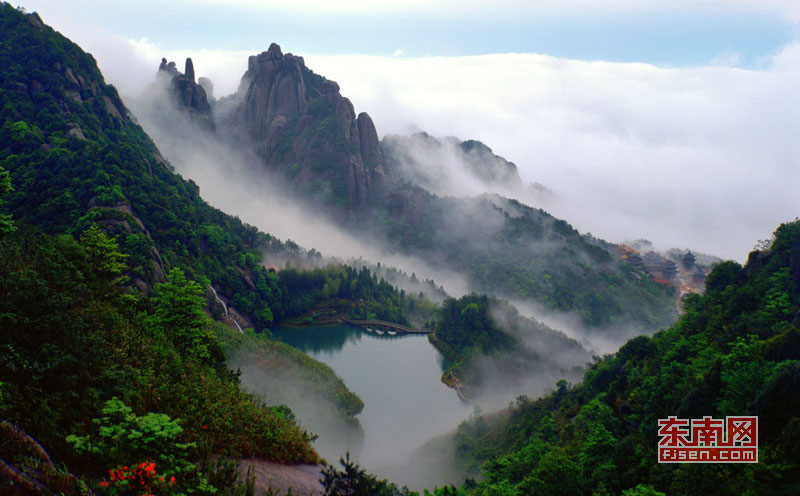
(225, 307)
(463, 397)
(303, 480)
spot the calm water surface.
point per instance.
(399, 380)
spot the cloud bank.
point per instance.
(700, 157)
(703, 158)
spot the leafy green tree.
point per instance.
(642, 490)
(445, 491)
(179, 313)
(104, 254)
(124, 439)
(597, 457)
(352, 480)
(24, 137)
(556, 474)
(6, 226)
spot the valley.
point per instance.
(192, 283)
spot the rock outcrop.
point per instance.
(490, 168)
(186, 93)
(441, 164)
(303, 127)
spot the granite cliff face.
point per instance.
(303, 127)
(186, 93)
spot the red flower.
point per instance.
(104, 484)
(204, 427)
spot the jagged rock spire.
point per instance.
(189, 71)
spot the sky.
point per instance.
(670, 120)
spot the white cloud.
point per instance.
(701, 157)
(789, 9)
(706, 157)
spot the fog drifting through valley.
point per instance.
(236, 182)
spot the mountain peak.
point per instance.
(186, 93)
(303, 127)
(274, 51)
(189, 71)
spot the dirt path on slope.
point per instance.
(303, 479)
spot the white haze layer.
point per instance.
(704, 158)
(239, 184)
(238, 188)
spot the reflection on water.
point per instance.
(398, 378)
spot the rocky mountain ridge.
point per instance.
(441, 164)
(296, 122)
(186, 93)
(302, 126)
(422, 196)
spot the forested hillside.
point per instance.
(514, 251)
(476, 329)
(735, 351)
(108, 356)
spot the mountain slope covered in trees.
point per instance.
(735, 351)
(107, 354)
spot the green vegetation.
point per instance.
(466, 325)
(477, 327)
(734, 352)
(354, 481)
(123, 436)
(511, 250)
(358, 294)
(465, 331)
(73, 339)
(6, 225)
(291, 372)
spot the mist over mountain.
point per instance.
(144, 331)
(449, 166)
(395, 195)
